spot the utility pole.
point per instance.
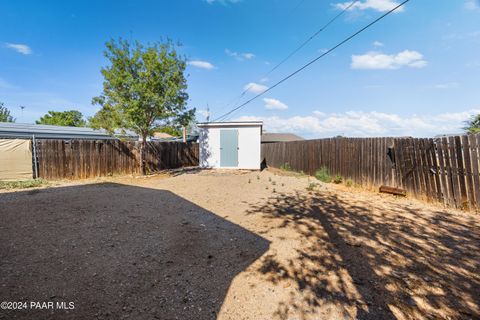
(208, 113)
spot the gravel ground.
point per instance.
(234, 245)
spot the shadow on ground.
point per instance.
(370, 263)
(118, 252)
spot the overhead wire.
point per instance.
(316, 59)
(296, 50)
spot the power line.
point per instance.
(317, 58)
(312, 37)
(296, 7)
(297, 49)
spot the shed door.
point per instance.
(228, 148)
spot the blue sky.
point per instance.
(415, 73)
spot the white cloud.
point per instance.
(378, 60)
(378, 44)
(274, 104)
(367, 124)
(20, 48)
(201, 64)
(255, 87)
(444, 86)
(240, 56)
(265, 79)
(472, 5)
(377, 5)
(463, 36)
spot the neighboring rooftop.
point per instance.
(22, 130)
(268, 137)
(162, 135)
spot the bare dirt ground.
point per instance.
(234, 245)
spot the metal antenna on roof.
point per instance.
(22, 107)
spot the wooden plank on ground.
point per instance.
(392, 190)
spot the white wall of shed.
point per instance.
(249, 138)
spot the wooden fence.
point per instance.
(79, 159)
(444, 169)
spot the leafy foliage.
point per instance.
(338, 179)
(72, 118)
(5, 114)
(311, 186)
(473, 125)
(323, 174)
(144, 89)
(286, 166)
(176, 128)
(349, 183)
(171, 130)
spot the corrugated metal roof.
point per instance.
(22, 130)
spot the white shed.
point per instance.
(230, 145)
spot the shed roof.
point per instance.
(279, 137)
(23, 130)
(231, 124)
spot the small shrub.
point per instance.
(300, 174)
(323, 174)
(283, 184)
(249, 180)
(274, 190)
(274, 183)
(269, 179)
(258, 177)
(349, 183)
(286, 166)
(338, 179)
(311, 186)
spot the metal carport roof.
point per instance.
(22, 130)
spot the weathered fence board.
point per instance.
(443, 169)
(80, 159)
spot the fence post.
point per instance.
(35, 160)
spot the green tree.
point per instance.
(473, 125)
(144, 89)
(72, 118)
(5, 114)
(186, 120)
(171, 130)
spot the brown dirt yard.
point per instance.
(234, 245)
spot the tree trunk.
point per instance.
(142, 155)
